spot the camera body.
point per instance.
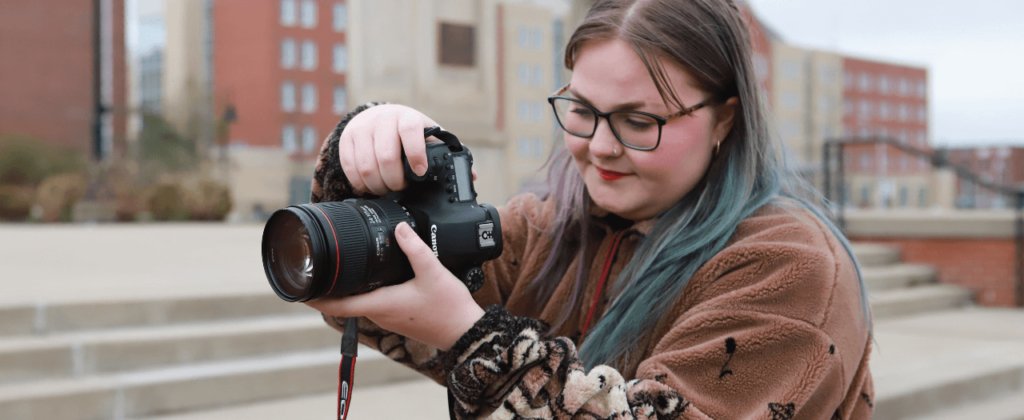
(336, 249)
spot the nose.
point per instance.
(603, 144)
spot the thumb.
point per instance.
(421, 257)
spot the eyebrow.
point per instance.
(628, 106)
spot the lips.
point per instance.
(609, 175)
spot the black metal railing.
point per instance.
(835, 191)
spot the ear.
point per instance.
(725, 114)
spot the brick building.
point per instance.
(48, 72)
(885, 100)
(1001, 165)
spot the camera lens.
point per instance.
(291, 258)
(334, 249)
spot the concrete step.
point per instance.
(78, 354)
(193, 387)
(1009, 407)
(873, 255)
(43, 318)
(421, 400)
(897, 276)
(916, 300)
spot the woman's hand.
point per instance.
(370, 147)
(434, 307)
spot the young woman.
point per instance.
(670, 271)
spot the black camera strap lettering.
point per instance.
(347, 370)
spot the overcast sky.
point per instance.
(974, 52)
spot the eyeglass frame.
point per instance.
(607, 115)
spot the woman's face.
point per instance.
(634, 184)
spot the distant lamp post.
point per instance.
(224, 129)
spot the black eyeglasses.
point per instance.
(634, 129)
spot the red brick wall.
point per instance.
(248, 73)
(46, 70)
(986, 266)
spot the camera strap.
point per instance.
(347, 370)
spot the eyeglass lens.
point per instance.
(633, 129)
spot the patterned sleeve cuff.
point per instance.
(481, 360)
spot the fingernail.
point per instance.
(421, 169)
(403, 229)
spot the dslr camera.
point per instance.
(342, 248)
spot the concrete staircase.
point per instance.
(936, 356)
(122, 360)
(254, 356)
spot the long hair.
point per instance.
(709, 39)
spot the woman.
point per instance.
(670, 270)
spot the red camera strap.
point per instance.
(347, 368)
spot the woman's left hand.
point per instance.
(434, 307)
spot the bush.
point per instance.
(160, 144)
(15, 202)
(167, 202)
(211, 201)
(26, 160)
(58, 194)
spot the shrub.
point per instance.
(210, 201)
(166, 201)
(15, 202)
(57, 195)
(26, 160)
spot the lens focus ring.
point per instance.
(352, 243)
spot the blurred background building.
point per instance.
(64, 82)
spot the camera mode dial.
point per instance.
(474, 279)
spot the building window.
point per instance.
(865, 132)
(538, 147)
(308, 55)
(288, 53)
(790, 100)
(340, 100)
(538, 112)
(885, 111)
(308, 14)
(288, 12)
(538, 76)
(524, 37)
(289, 141)
(458, 45)
(523, 72)
(791, 70)
(903, 196)
(340, 58)
(922, 197)
(537, 39)
(865, 161)
(904, 87)
(883, 132)
(904, 112)
(922, 89)
(903, 136)
(340, 17)
(865, 109)
(524, 111)
(847, 107)
(865, 195)
(309, 98)
(288, 97)
(865, 82)
(847, 80)
(922, 114)
(921, 138)
(883, 85)
(308, 139)
(524, 146)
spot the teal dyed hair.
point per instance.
(709, 39)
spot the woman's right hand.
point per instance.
(371, 145)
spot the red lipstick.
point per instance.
(609, 175)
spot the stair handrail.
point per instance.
(939, 159)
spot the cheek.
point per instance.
(578, 146)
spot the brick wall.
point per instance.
(46, 70)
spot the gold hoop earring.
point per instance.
(717, 147)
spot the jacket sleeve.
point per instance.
(751, 347)
(519, 215)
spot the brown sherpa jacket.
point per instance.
(770, 328)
